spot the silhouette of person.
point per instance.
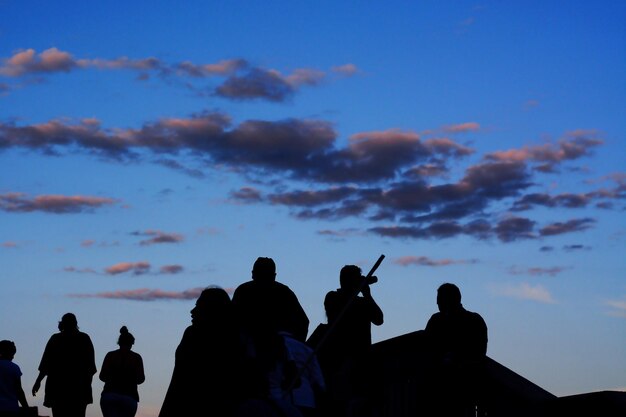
(122, 371)
(265, 306)
(207, 372)
(11, 392)
(350, 318)
(352, 334)
(68, 362)
(457, 339)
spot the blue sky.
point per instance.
(148, 150)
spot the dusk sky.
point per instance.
(151, 149)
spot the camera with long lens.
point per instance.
(371, 280)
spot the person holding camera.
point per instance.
(343, 354)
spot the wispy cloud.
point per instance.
(134, 268)
(137, 268)
(79, 270)
(171, 269)
(57, 204)
(426, 261)
(9, 244)
(462, 127)
(347, 70)
(537, 271)
(240, 80)
(573, 145)
(158, 236)
(148, 294)
(144, 294)
(524, 291)
(617, 307)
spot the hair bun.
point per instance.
(124, 330)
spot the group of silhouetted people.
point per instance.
(249, 357)
(68, 365)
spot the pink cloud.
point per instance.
(9, 244)
(145, 294)
(171, 269)
(347, 70)
(538, 271)
(573, 145)
(426, 261)
(137, 268)
(28, 61)
(58, 204)
(462, 127)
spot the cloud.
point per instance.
(462, 127)
(29, 62)
(426, 261)
(575, 247)
(158, 236)
(537, 271)
(525, 291)
(515, 228)
(9, 244)
(171, 269)
(618, 307)
(137, 268)
(573, 225)
(346, 70)
(57, 204)
(175, 165)
(339, 234)
(546, 248)
(87, 243)
(145, 294)
(223, 67)
(79, 270)
(572, 146)
(396, 179)
(240, 79)
(568, 200)
(247, 195)
(256, 84)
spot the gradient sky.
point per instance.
(150, 149)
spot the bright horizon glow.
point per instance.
(148, 151)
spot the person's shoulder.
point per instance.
(84, 336)
(474, 317)
(434, 319)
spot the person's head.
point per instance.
(126, 339)
(68, 323)
(7, 349)
(264, 270)
(349, 277)
(448, 297)
(213, 305)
